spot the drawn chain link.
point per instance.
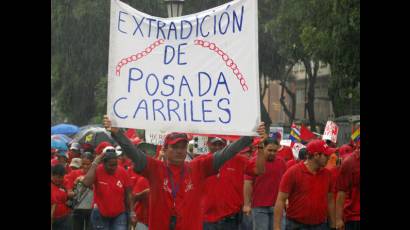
(228, 61)
(137, 56)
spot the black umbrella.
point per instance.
(93, 136)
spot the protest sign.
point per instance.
(330, 132)
(273, 130)
(196, 73)
(156, 138)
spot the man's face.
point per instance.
(85, 164)
(216, 146)
(111, 165)
(75, 153)
(177, 152)
(322, 159)
(270, 151)
(57, 179)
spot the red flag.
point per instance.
(306, 134)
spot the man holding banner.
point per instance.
(177, 186)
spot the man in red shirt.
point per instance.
(260, 191)
(308, 188)
(140, 193)
(112, 192)
(222, 201)
(81, 194)
(74, 151)
(176, 186)
(348, 196)
(59, 210)
(284, 152)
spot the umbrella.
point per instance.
(58, 144)
(61, 137)
(93, 136)
(66, 129)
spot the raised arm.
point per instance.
(137, 156)
(225, 154)
(89, 178)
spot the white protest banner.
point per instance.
(156, 138)
(330, 132)
(273, 130)
(296, 148)
(196, 73)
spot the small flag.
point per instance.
(355, 135)
(294, 134)
(306, 134)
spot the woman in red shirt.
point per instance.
(59, 210)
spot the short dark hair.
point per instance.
(58, 170)
(88, 155)
(302, 154)
(270, 140)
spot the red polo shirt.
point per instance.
(307, 194)
(188, 197)
(223, 193)
(291, 163)
(285, 152)
(266, 186)
(349, 182)
(59, 197)
(109, 191)
(142, 206)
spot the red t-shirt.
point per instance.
(142, 206)
(109, 191)
(223, 193)
(285, 152)
(266, 186)
(59, 197)
(349, 182)
(70, 178)
(307, 194)
(188, 210)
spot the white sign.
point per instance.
(156, 138)
(196, 73)
(201, 147)
(286, 142)
(330, 132)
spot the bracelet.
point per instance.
(94, 163)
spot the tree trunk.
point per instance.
(312, 75)
(290, 113)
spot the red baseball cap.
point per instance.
(101, 147)
(317, 146)
(173, 138)
(329, 151)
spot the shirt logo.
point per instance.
(119, 184)
(102, 182)
(189, 186)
